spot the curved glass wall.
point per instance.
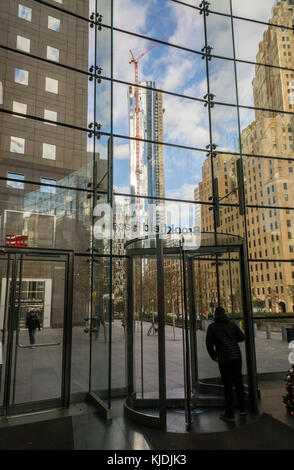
(121, 117)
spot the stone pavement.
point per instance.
(38, 370)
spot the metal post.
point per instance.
(161, 333)
(130, 331)
(248, 328)
(193, 332)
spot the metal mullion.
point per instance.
(9, 327)
(214, 195)
(67, 331)
(19, 273)
(119, 136)
(110, 199)
(193, 51)
(248, 324)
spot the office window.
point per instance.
(51, 85)
(49, 151)
(52, 53)
(15, 184)
(51, 116)
(24, 12)
(23, 44)
(54, 24)
(17, 144)
(19, 108)
(48, 189)
(21, 76)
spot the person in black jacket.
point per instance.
(222, 339)
(32, 323)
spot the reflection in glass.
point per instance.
(21, 76)
(24, 12)
(17, 144)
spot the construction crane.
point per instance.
(138, 171)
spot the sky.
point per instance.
(178, 71)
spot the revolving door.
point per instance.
(172, 293)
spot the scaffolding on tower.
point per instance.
(138, 170)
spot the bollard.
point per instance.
(284, 333)
(268, 332)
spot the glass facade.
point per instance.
(164, 111)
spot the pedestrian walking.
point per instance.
(222, 338)
(32, 323)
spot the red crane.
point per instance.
(135, 61)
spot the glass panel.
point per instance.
(180, 121)
(159, 66)
(268, 12)
(219, 35)
(209, 273)
(182, 25)
(80, 325)
(265, 45)
(272, 299)
(268, 182)
(222, 80)
(169, 172)
(225, 132)
(174, 326)
(222, 6)
(37, 361)
(59, 219)
(4, 304)
(118, 363)
(270, 233)
(145, 328)
(266, 87)
(100, 329)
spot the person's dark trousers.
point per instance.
(231, 373)
(32, 336)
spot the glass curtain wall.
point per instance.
(132, 105)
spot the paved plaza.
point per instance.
(38, 370)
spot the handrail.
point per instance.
(36, 345)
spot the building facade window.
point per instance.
(51, 85)
(23, 44)
(52, 54)
(17, 145)
(48, 189)
(49, 151)
(24, 12)
(19, 108)
(15, 184)
(21, 76)
(54, 24)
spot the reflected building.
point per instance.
(150, 181)
(41, 159)
(268, 182)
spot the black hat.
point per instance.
(219, 312)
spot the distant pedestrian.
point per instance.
(222, 338)
(96, 322)
(32, 323)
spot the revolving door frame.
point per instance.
(162, 403)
